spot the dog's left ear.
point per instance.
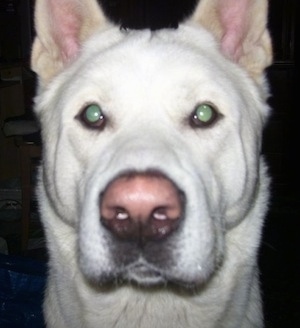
(241, 28)
(61, 27)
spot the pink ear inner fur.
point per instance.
(233, 14)
(66, 22)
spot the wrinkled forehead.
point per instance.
(144, 58)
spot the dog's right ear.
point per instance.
(240, 27)
(61, 27)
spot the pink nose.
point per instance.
(141, 206)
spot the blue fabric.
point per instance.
(22, 285)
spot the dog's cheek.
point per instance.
(222, 161)
(241, 171)
(62, 173)
(200, 244)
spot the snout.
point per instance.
(145, 219)
(141, 206)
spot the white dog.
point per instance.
(152, 189)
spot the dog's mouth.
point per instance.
(143, 274)
(147, 265)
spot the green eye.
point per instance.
(92, 116)
(204, 114)
(93, 113)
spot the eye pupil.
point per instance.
(92, 117)
(204, 113)
(93, 113)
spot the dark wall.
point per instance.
(153, 14)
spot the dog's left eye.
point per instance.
(204, 114)
(92, 116)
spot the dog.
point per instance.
(152, 188)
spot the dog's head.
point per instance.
(152, 139)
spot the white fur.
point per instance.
(148, 85)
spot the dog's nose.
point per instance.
(141, 206)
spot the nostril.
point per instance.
(117, 220)
(121, 214)
(167, 212)
(113, 212)
(160, 214)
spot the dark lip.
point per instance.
(147, 277)
(144, 271)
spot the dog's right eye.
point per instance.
(92, 116)
(204, 115)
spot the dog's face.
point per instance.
(151, 153)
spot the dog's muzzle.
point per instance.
(145, 219)
(140, 212)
